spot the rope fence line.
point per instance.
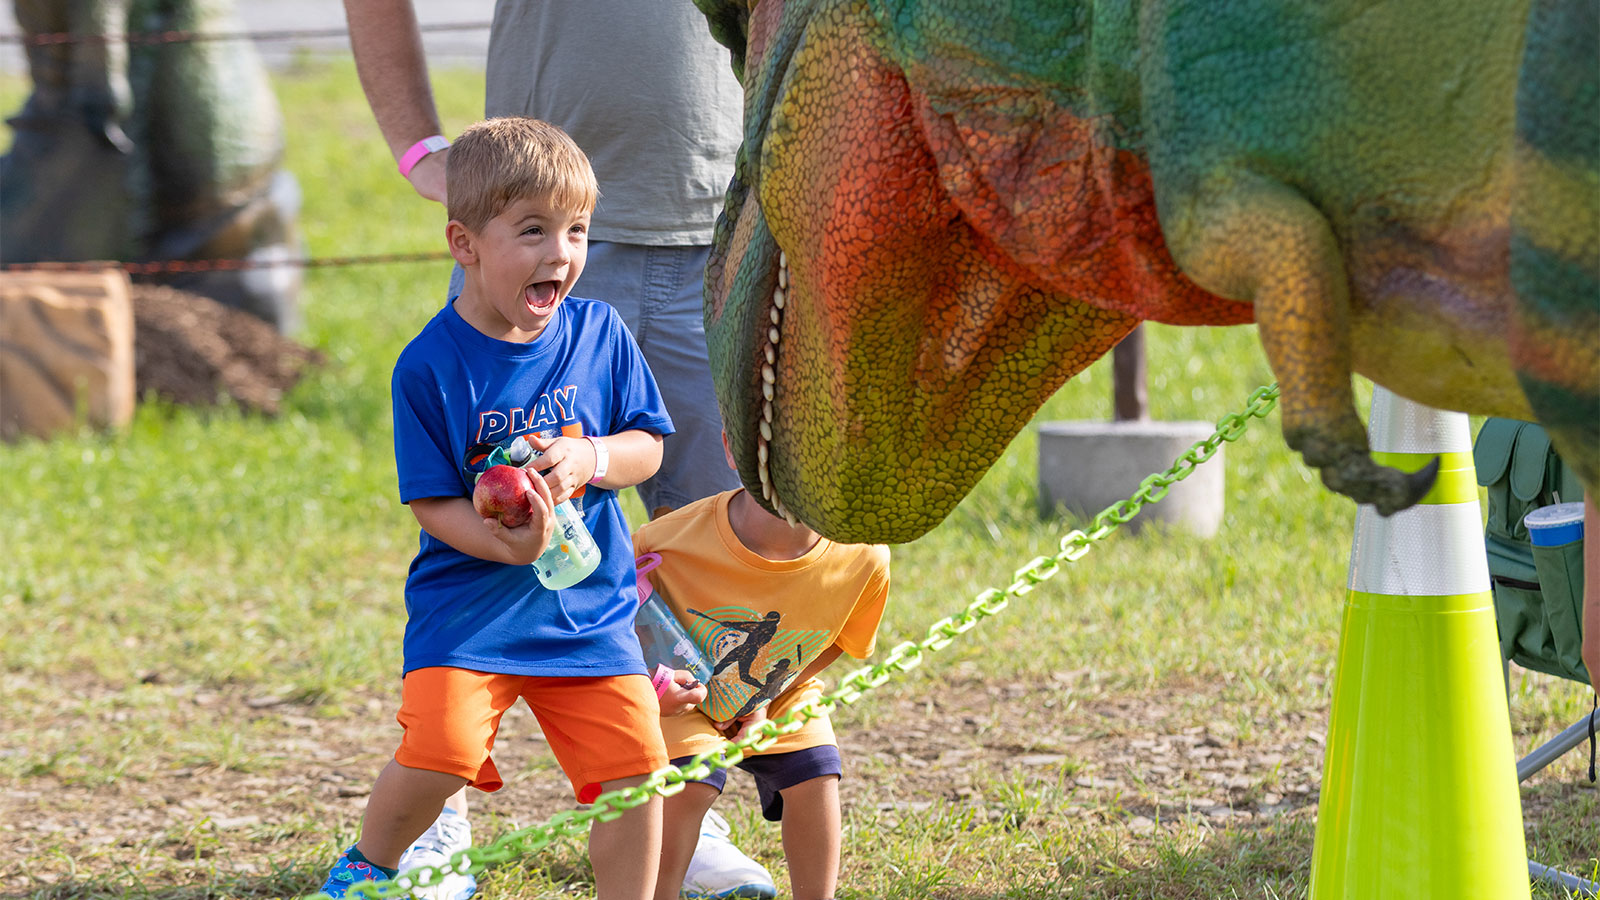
(906, 656)
(177, 266)
(185, 37)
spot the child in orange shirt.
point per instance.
(770, 605)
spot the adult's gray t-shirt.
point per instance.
(643, 89)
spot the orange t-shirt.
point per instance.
(758, 622)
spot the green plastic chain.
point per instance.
(669, 780)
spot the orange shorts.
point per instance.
(600, 728)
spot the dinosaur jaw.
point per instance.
(837, 415)
(828, 404)
(866, 387)
(873, 353)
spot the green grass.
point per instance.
(155, 578)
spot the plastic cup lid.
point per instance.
(1554, 516)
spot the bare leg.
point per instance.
(680, 831)
(404, 802)
(811, 837)
(458, 801)
(626, 851)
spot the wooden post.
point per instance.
(1130, 400)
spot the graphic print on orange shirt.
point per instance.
(753, 657)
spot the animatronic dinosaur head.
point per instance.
(874, 347)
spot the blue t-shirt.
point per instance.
(457, 394)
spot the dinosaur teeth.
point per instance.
(769, 378)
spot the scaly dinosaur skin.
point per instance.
(943, 209)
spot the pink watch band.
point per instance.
(433, 143)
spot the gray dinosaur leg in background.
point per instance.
(159, 151)
(216, 188)
(63, 184)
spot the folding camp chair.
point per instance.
(1538, 592)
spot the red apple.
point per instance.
(502, 493)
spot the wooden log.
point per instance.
(66, 351)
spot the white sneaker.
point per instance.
(448, 835)
(721, 870)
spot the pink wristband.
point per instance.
(661, 678)
(433, 143)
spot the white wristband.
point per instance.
(602, 459)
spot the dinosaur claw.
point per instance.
(1388, 490)
(1419, 483)
(1393, 490)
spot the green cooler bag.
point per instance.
(1538, 591)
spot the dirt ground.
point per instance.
(1124, 761)
(192, 350)
(1136, 763)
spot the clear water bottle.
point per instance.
(661, 636)
(572, 555)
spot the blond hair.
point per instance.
(499, 161)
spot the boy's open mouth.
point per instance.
(541, 295)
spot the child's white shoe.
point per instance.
(721, 870)
(448, 835)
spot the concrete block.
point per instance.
(66, 351)
(1085, 467)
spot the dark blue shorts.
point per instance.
(776, 772)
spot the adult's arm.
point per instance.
(387, 45)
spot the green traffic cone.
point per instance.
(1419, 788)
